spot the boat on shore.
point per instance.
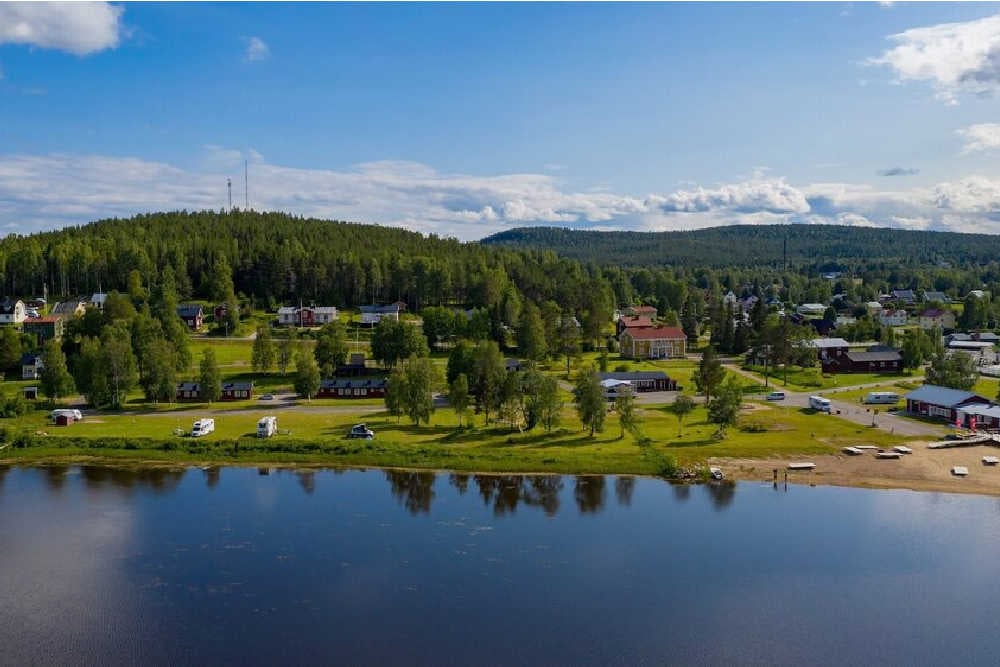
(959, 471)
(803, 465)
(888, 455)
(716, 473)
(991, 460)
(853, 451)
(902, 449)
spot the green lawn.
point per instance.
(901, 387)
(318, 437)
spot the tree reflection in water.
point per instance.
(506, 492)
(157, 479)
(307, 480)
(414, 489)
(722, 494)
(55, 476)
(589, 493)
(681, 491)
(460, 481)
(624, 486)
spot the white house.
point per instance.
(324, 314)
(12, 311)
(936, 317)
(374, 314)
(874, 307)
(893, 318)
(31, 366)
(811, 310)
(288, 315)
(98, 299)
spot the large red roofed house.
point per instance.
(653, 343)
(629, 322)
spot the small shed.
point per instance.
(63, 420)
(30, 393)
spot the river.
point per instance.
(239, 565)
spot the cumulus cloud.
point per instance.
(257, 49)
(898, 171)
(981, 137)
(40, 192)
(77, 27)
(953, 57)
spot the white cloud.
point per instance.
(981, 137)
(77, 27)
(40, 192)
(257, 49)
(953, 57)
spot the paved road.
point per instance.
(855, 412)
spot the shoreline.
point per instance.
(925, 471)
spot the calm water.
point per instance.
(99, 566)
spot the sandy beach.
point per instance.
(923, 470)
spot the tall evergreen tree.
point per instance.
(55, 379)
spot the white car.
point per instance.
(776, 396)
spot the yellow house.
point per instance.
(653, 343)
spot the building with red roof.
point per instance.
(653, 343)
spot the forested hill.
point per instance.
(758, 245)
(275, 258)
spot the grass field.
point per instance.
(318, 437)
(811, 379)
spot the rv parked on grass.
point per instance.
(73, 414)
(202, 427)
(267, 426)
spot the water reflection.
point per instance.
(505, 492)
(624, 486)
(460, 482)
(721, 493)
(307, 480)
(212, 475)
(681, 491)
(3, 473)
(414, 489)
(158, 479)
(589, 494)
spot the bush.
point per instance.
(753, 427)
(621, 368)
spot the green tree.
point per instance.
(395, 392)
(55, 380)
(209, 376)
(11, 348)
(913, 349)
(569, 338)
(331, 347)
(458, 396)
(418, 396)
(393, 341)
(544, 403)
(461, 361)
(488, 375)
(628, 415)
(724, 408)
(307, 377)
(956, 370)
(512, 400)
(438, 325)
(286, 350)
(681, 408)
(117, 362)
(531, 333)
(588, 394)
(709, 373)
(158, 377)
(263, 354)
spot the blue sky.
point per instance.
(467, 119)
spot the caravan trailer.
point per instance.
(819, 403)
(267, 426)
(881, 398)
(202, 427)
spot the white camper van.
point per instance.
(882, 397)
(819, 403)
(75, 415)
(202, 427)
(267, 426)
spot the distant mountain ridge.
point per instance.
(757, 245)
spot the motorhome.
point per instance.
(361, 431)
(202, 427)
(882, 397)
(75, 415)
(819, 403)
(267, 426)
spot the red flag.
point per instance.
(972, 423)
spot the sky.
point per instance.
(467, 119)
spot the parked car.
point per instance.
(267, 397)
(776, 396)
(361, 431)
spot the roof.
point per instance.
(933, 312)
(189, 310)
(98, 297)
(642, 309)
(237, 386)
(935, 296)
(959, 336)
(873, 304)
(287, 310)
(892, 355)
(361, 383)
(812, 306)
(656, 333)
(45, 319)
(943, 396)
(824, 343)
(984, 409)
(611, 382)
(512, 363)
(635, 376)
(66, 307)
(971, 344)
(8, 305)
(325, 309)
(988, 336)
(30, 359)
(187, 386)
(903, 294)
(636, 322)
(391, 308)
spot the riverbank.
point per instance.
(923, 470)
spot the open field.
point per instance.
(811, 379)
(316, 434)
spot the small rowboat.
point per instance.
(716, 473)
(902, 450)
(960, 471)
(991, 460)
(801, 466)
(887, 455)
